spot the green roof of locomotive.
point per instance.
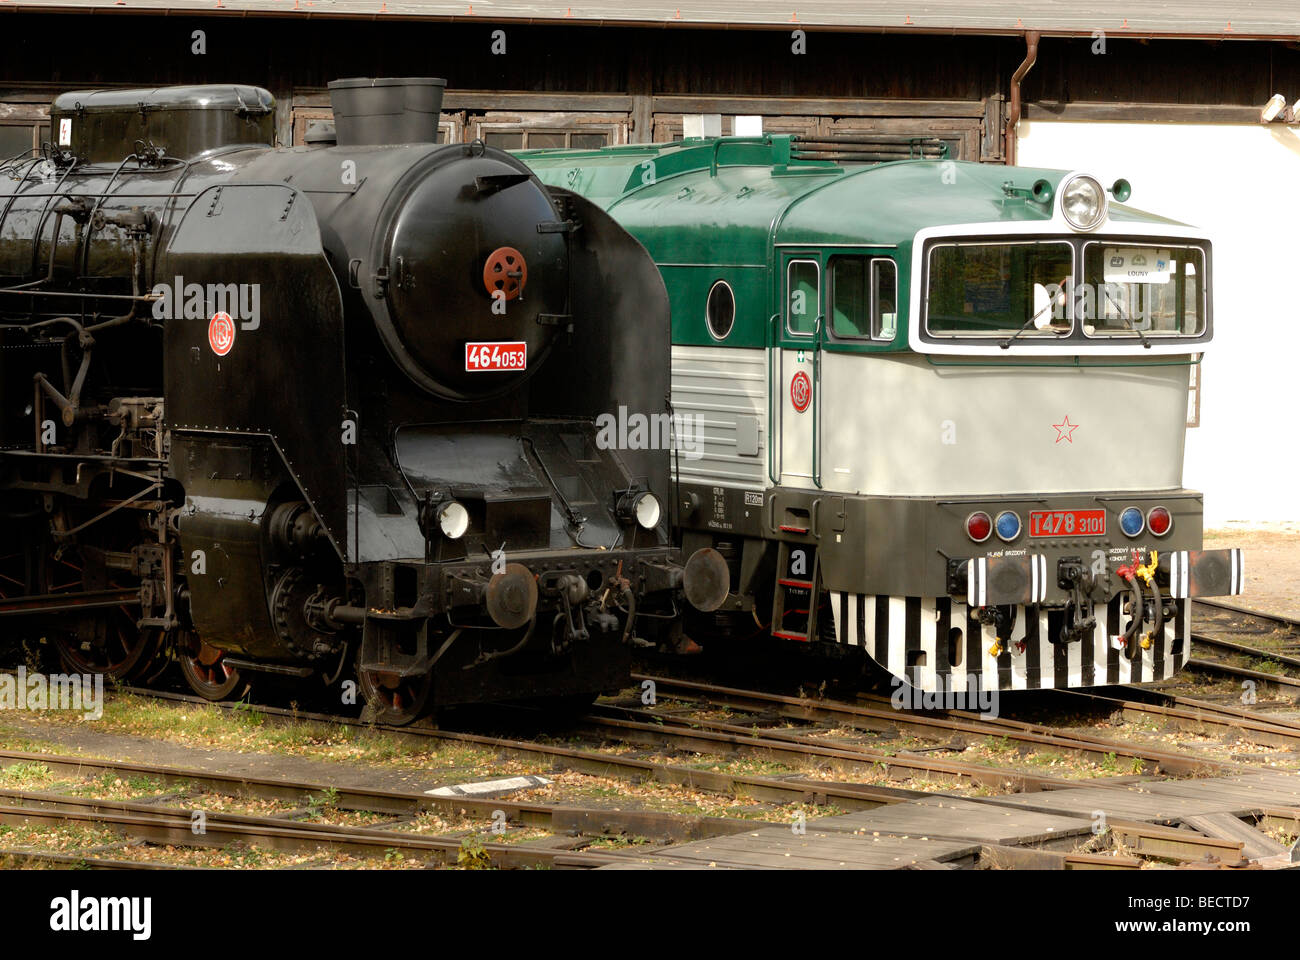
(745, 185)
(714, 208)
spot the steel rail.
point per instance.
(950, 722)
(19, 857)
(1175, 764)
(1244, 673)
(1223, 709)
(177, 827)
(559, 818)
(851, 796)
(710, 741)
(1241, 650)
(1278, 618)
(1209, 718)
(702, 736)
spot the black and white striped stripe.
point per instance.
(977, 582)
(1179, 575)
(1038, 589)
(909, 637)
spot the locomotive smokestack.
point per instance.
(386, 109)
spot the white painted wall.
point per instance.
(1240, 183)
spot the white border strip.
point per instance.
(1057, 225)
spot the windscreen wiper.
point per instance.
(1140, 335)
(1006, 342)
(1122, 313)
(1033, 321)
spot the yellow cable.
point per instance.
(1148, 571)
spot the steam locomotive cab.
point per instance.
(359, 423)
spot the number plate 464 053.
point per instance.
(495, 356)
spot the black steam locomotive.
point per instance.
(302, 411)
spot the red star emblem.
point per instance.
(1065, 430)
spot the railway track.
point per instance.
(22, 857)
(149, 821)
(675, 726)
(693, 735)
(1265, 673)
(596, 821)
(1214, 606)
(937, 725)
(1166, 695)
(1198, 716)
(176, 826)
(1281, 632)
(663, 730)
(1230, 648)
(1284, 685)
(706, 736)
(792, 789)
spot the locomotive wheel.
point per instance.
(205, 670)
(120, 652)
(107, 643)
(395, 699)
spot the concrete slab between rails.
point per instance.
(936, 832)
(782, 848)
(1256, 845)
(996, 857)
(953, 818)
(1163, 801)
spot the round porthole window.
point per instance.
(720, 311)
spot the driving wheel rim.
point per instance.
(205, 669)
(126, 653)
(395, 699)
(110, 644)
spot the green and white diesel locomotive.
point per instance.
(942, 407)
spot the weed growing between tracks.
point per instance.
(167, 731)
(1227, 749)
(249, 730)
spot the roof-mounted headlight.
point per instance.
(1083, 203)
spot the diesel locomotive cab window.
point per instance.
(999, 289)
(802, 297)
(1132, 290)
(863, 297)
